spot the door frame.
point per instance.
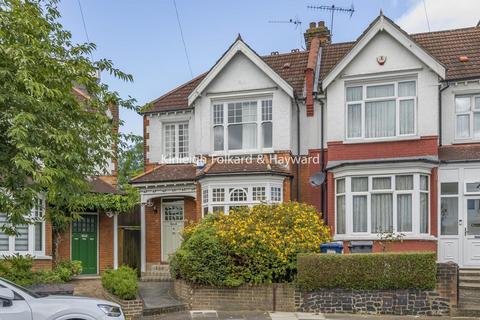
(98, 236)
(175, 201)
(464, 234)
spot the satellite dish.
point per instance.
(317, 179)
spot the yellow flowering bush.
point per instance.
(259, 244)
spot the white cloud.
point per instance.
(442, 14)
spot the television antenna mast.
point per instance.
(333, 9)
(295, 21)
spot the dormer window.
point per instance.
(379, 111)
(175, 140)
(242, 125)
(467, 113)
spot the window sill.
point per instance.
(24, 253)
(242, 152)
(466, 141)
(374, 140)
(376, 238)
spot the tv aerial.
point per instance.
(296, 22)
(333, 9)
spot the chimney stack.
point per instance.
(319, 31)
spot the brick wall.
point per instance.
(132, 309)
(447, 282)
(64, 246)
(278, 297)
(105, 242)
(153, 233)
(43, 264)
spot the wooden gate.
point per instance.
(131, 247)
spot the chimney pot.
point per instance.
(319, 31)
(312, 25)
(321, 23)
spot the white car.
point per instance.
(17, 303)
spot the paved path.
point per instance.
(158, 296)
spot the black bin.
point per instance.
(361, 246)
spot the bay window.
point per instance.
(176, 140)
(243, 125)
(381, 110)
(223, 198)
(467, 117)
(382, 204)
(29, 238)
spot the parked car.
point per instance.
(18, 303)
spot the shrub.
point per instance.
(121, 282)
(250, 245)
(66, 270)
(367, 271)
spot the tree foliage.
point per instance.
(50, 140)
(130, 158)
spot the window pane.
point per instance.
(404, 182)
(266, 110)
(205, 196)
(476, 124)
(276, 194)
(380, 119)
(242, 136)
(404, 213)
(238, 195)
(38, 236)
(205, 211)
(406, 89)
(473, 187)
(462, 104)
(218, 194)
(423, 212)
(340, 186)
(359, 214)
(341, 215)
(359, 184)
(477, 103)
(407, 116)
(183, 140)
(242, 112)
(354, 94)
(218, 138)
(354, 120)
(169, 140)
(424, 183)
(382, 213)
(218, 209)
(463, 126)
(218, 114)
(21, 240)
(449, 216)
(258, 193)
(449, 188)
(267, 134)
(3, 237)
(384, 183)
(384, 90)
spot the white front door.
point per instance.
(172, 226)
(471, 233)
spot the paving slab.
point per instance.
(158, 298)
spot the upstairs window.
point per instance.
(243, 125)
(176, 140)
(381, 110)
(467, 114)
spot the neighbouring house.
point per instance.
(392, 119)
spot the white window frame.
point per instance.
(415, 192)
(470, 113)
(31, 236)
(176, 154)
(248, 188)
(225, 124)
(395, 97)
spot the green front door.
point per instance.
(84, 242)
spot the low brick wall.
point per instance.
(132, 309)
(278, 297)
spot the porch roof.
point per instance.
(167, 173)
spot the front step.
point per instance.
(469, 293)
(158, 273)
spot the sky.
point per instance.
(143, 38)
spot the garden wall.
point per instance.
(284, 297)
(132, 309)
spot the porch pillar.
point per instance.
(143, 262)
(115, 241)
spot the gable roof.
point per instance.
(445, 45)
(290, 66)
(384, 24)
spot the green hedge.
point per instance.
(121, 282)
(367, 271)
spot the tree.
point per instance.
(130, 158)
(50, 140)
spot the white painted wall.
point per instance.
(448, 109)
(364, 68)
(310, 129)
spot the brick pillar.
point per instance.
(198, 202)
(447, 282)
(153, 234)
(105, 240)
(287, 189)
(64, 246)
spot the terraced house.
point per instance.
(392, 119)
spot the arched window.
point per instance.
(238, 195)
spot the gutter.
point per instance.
(440, 90)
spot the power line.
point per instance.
(183, 39)
(426, 15)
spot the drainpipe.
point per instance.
(322, 159)
(298, 150)
(440, 90)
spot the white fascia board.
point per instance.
(384, 25)
(239, 46)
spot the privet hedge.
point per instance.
(367, 271)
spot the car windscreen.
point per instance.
(21, 289)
